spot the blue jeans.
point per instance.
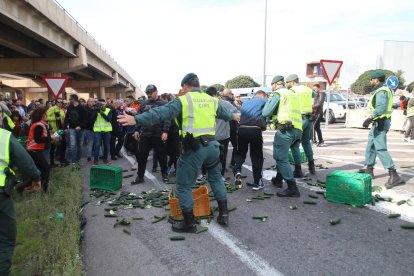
(101, 137)
(89, 135)
(75, 149)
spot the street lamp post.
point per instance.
(264, 53)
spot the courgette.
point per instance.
(394, 215)
(293, 207)
(313, 196)
(309, 202)
(177, 238)
(409, 226)
(335, 221)
(158, 219)
(126, 231)
(201, 230)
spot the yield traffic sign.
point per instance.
(331, 69)
(55, 84)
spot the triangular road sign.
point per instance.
(55, 84)
(331, 69)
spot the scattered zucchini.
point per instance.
(177, 238)
(394, 215)
(232, 208)
(313, 196)
(408, 226)
(201, 230)
(158, 219)
(335, 221)
(309, 202)
(293, 207)
(401, 202)
(126, 231)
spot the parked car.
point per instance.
(337, 107)
(362, 102)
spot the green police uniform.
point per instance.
(380, 106)
(11, 153)
(305, 95)
(196, 113)
(285, 104)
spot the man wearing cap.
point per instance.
(152, 137)
(196, 113)
(305, 95)
(284, 108)
(380, 106)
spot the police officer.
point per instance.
(284, 108)
(380, 106)
(11, 153)
(305, 95)
(196, 113)
(277, 83)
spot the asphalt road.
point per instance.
(290, 242)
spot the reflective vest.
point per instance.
(4, 154)
(289, 108)
(410, 110)
(31, 144)
(10, 122)
(51, 116)
(390, 99)
(305, 98)
(102, 125)
(198, 114)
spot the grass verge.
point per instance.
(46, 243)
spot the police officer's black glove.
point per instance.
(367, 122)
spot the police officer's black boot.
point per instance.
(291, 191)
(187, 225)
(368, 170)
(311, 165)
(297, 173)
(278, 180)
(223, 216)
(394, 179)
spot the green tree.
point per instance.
(218, 86)
(203, 87)
(241, 81)
(410, 87)
(362, 85)
(401, 79)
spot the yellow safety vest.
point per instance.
(9, 121)
(51, 117)
(198, 114)
(305, 98)
(102, 125)
(289, 108)
(390, 99)
(410, 110)
(4, 154)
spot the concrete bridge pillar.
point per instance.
(101, 93)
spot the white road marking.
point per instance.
(257, 264)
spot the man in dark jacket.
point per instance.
(317, 107)
(252, 123)
(75, 123)
(152, 137)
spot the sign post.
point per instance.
(330, 70)
(55, 84)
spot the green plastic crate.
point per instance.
(107, 178)
(349, 188)
(22, 140)
(303, 158)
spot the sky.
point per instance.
(159, 41)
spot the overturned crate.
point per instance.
(201, 203)
(349, 188)
(108, 178)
